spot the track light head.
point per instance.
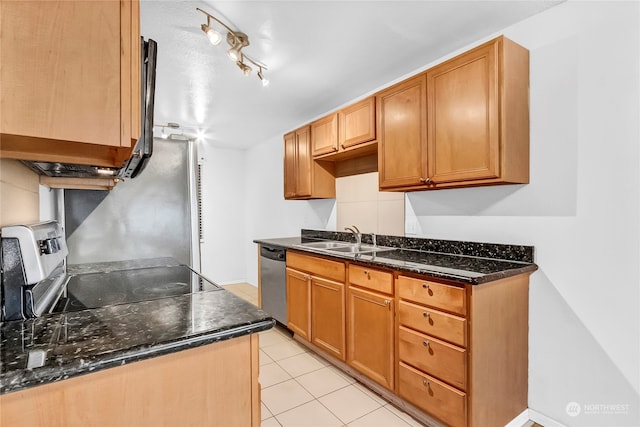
(237, 41)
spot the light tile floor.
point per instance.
(301, 389)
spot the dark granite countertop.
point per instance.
(465, 262)
(59, 346)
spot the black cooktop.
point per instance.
(93, 290)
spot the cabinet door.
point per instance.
(303, 163)
(327, 316)
(298, 303)
(290, 165)
(402, 128)
(69, 74)
(324, 135)
(463, 122)
(357, 123)
(370, 335)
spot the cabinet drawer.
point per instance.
(433, 322)
(433, 356)
(322, 267)
(432, 396)
(376, 280)
(438, 295)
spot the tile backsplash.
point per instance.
(358, 202)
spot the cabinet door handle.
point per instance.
(425, 180)
(425, 315)
(425, 286)
(342, 145)
(425, 343)
(426, 383)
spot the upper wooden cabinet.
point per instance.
(402, 154)
(476, 122)
(305, 178)
(351, 132)
(70, 81)
(324, 135)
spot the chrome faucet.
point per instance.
(356, 233)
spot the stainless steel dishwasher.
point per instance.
(273, 282)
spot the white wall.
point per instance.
(268, 215)
(581, 210)
(223, 213)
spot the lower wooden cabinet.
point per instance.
(432, 396)
(370, 335)
(328, 316)
(298, 300)
(455, 352)
(316, 301)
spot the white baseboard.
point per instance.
(537, 417)
(543, 419)
(520, 420)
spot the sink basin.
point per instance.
(325, 245)
(343, 247)
(354, 249)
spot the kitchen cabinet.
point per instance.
(305, 178)
(324, 135)
(469, 127)
(328, 316)
(298, 303)
(318, 315)
(457, 345)
(347, 134)
(70, 76)
(402, 151)
(370, 325)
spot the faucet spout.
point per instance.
(354, 230)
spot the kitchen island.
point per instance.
(196, 363)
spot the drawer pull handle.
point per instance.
(425, 343)
(387, 302)
(425, 286)
(425, 383)
(425, 314)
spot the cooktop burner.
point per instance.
(95, 290)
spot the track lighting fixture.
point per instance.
(237, 41)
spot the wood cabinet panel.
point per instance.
(445, 297)
(370, 335)
(298, 303)
(463, 117)
(192, 387)
(357, 123)
(324, 135)
(326, 268)
(305, 178)
(437, 358)
(375, 280)
(328, 316)
(402, 127)
(433, 322)
(76, 86)
(472, 129)
(433, 396)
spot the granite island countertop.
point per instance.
(55, 347)
(471, 263)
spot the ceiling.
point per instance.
(320, 55)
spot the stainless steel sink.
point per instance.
(324, 245)
(355, 249)
(343, 247)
